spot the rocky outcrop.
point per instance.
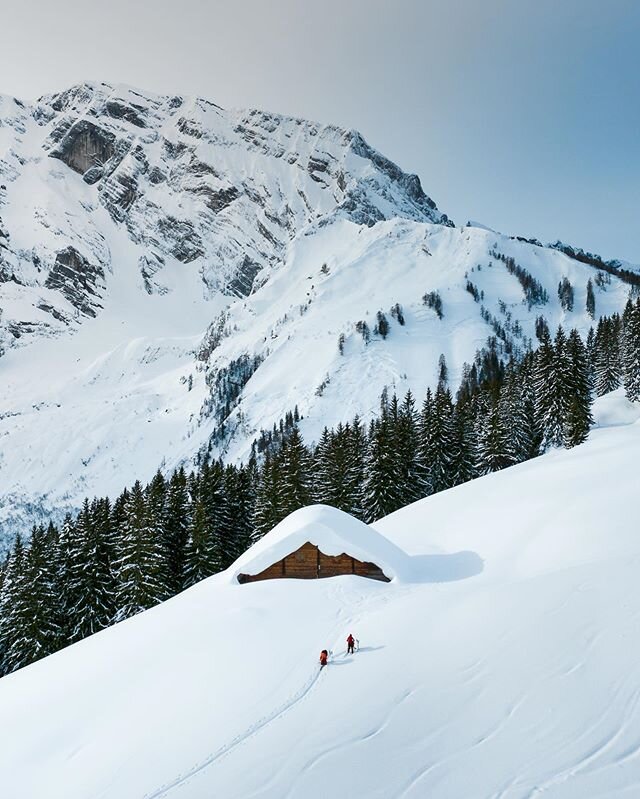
(86, 148)
(183, 182)
(78, 280)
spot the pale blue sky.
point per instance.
(521, 114)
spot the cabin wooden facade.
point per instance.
(309, 563)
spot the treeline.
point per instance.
(119, 557)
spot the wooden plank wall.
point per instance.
(309, 563)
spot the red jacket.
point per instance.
(350, 639)
(323, 658)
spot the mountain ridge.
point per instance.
(170, 249)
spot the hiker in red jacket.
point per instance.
(350, 644)
(323, 658)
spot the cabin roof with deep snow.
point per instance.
(333, 532)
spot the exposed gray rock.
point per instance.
(184, 179)
(132, 113)
(243, 282)
(150, 265)
(85, 146)
(182, 240)
(78, 280)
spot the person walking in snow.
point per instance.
(324, 655)
(350, 644)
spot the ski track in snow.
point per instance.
(293, 701)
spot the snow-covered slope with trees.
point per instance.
(505, 667)
(175, 277)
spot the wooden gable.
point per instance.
(309, 563)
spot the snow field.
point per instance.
(509, 671)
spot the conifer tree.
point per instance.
(33, 611)
(90, 601)
(494, 446)
(464, 446)
(355, 449)
(525, 434)
(436, 442)
(551, 385)
(139, 564)
(177, 520)
(631, 352)
(406, 437)
(240, 494)
(381, 471)
(294, 488)
(201, 557)
(578, 419)
(607, 362)
(267, 511)
(591, 300)
(13, 575)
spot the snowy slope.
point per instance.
(506, 668)
(149, 245)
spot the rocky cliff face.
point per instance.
(183, 180)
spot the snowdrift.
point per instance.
(517, 681)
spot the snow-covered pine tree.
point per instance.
(9, 619)
(156, 499)
(443, 371)
(380, 490)
(355, 446)
(89, 597)
(406, 436)
(33, 612)
(178, 515)
(211, 487)
(63, 557)
(324, 467)
(607, 361)
(578, 419)
(436, 442)
(494, 450)
(423, 466)
(331, 464)
(525, 434)
(140, 559)
(631, 352)
(201, 557)
(294, 487)
(591, 300)
(267, 511)
(591, 346)
(464, 444)
(550, 380)
(565, 294)
(239, 489)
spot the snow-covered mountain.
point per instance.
(503, 663)
(174, 276)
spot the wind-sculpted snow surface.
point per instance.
(517, 680)
(176, 278)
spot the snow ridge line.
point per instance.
(182, 779)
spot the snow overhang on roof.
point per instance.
(333, 532)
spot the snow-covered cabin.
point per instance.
(320, 541)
